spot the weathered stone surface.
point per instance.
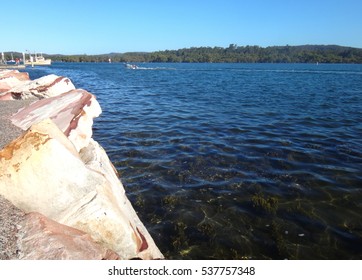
(73, 112)
(35, 157)
(21, 76)
(95, 158)
(47, 86)
(40, 238)
(42, 171)
(11, 78)
(34, 236)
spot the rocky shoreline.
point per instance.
(60, 196)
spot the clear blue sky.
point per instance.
(103, 26)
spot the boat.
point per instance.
(131, 66)
(5, 65)
(38, 60)
(12, 60)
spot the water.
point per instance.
(235, 161)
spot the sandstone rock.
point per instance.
(42, 171)
(95, 158)
(34, 236)
(47, 86)
(72, 112)
(11, 78)
(40, 238)
(21, 76)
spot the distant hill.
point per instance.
(233, 53)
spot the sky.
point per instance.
(104, 26)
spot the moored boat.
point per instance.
(9, 64)
(38, 60)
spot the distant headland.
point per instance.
(231, 54)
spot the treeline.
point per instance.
(232, 54)
(256, 54)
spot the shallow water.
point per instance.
(235, 161)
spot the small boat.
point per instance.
(38, 60)
(131, 66)
(12, 60)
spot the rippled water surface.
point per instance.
(235, 161)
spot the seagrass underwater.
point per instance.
(235, 161)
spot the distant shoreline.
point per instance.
(231, 54)
(182, 62)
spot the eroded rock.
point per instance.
(40, 238)
(11, 78)
(33, 236)
(42, 171)
(73, 112)
(47, 86)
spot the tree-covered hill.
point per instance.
(251, 54)
(233, 53)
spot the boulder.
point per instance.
(47, 86)
(21, 76)
(40, 238)
(42, 171)
(96, 159)
(73, 112)
(33, 236)
(11, 78)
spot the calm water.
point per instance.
(235, 161)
